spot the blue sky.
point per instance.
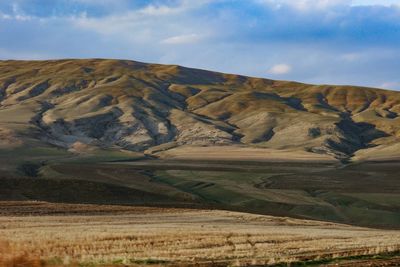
(314, 41)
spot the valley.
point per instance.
(364, 193)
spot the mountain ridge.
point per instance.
(82, 104)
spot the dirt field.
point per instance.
(42, 234)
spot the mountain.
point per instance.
(80, 105)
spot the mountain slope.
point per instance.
(116, 104)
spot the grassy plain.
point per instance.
(361, 194)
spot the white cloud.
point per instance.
(5, 16)
(159, 10)
(305, 5)
(375, 2)
(181, 7)
(390, 85)
(280, 69)
(149, 24)
(351, 57)
(16, 14)
(95, 2)
(182, 39)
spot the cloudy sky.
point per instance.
(314, 41)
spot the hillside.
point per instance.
(81, 105)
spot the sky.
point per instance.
(353, 42)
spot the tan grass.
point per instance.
(180, 237)
(12, 257)
(241, 153)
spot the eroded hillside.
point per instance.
(79, 104)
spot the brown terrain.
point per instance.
(80, 105)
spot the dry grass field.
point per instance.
(242, 153)
(43, 234)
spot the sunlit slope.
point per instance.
(81, 104)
